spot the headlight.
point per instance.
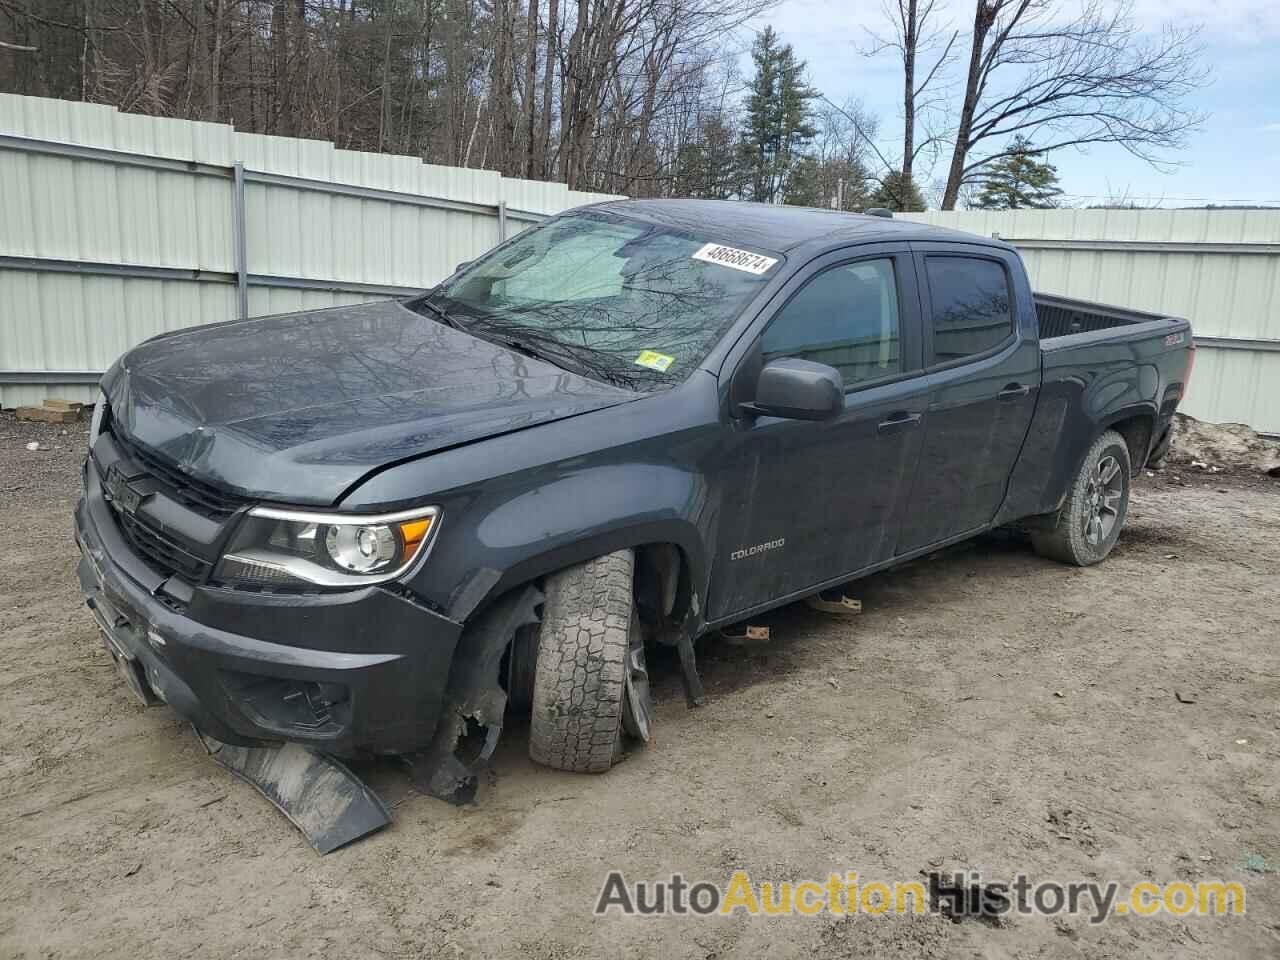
(292, 547)
(95, 424)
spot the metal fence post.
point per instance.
(240, 251)
(502, 220)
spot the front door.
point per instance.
(809, 502)
(984, 376)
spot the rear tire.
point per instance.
(585, 652)
(1087, 527)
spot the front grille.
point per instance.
(161, 553)
(198, 495)
(155, 547)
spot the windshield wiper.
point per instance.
(576, 358)
(588, 361)
(445, 317)
(541, 347)
(523, 346)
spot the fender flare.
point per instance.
(487, 584)
(1142, 408)
(515, 539)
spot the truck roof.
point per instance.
(782, 228)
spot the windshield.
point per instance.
(621, 300)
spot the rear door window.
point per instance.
(972, 310)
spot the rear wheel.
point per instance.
(591, 683)
(1087, 527)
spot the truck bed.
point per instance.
(1063, 316)
(1100, 366)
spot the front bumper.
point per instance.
(361, 670)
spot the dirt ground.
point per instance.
(989, 710)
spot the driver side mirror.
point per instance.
(463, 265)
(798, 390)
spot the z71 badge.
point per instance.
(1174, 339)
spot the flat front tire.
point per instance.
(1089, 524)
(590, 675)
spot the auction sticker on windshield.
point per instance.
(734, 258)
(654, 360)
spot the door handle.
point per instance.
(1013, 391)
(899, 421)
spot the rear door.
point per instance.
(807, 502)
(983, 363)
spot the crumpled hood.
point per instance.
(298, 407)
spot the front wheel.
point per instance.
(591, 683)
(1087, 527)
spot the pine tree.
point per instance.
(709, 166)
(898, 193)
(817, 183)
(778, 122)
(1019, 181)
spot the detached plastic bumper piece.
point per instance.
(320, 796)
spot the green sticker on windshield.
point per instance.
(654, 360)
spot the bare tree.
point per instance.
(554, 29)
(602, 94)
(912, 35)
(529, 94)
(1085, 79)
(892, 188)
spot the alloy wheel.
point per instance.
(637, 704)
(1103, 494)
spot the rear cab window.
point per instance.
(971, 306)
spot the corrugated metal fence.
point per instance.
(115, 227)
(1218, 268)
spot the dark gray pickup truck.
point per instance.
(377, 528)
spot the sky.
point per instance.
(1234, 157)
